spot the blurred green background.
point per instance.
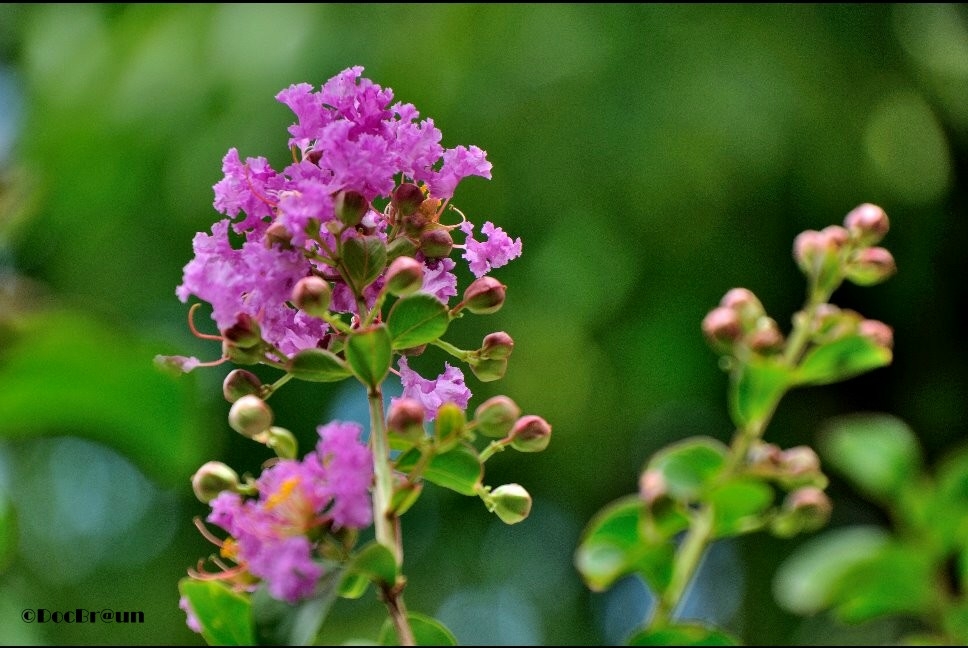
(651, 157)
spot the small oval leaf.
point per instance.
(755, 388)
(417, 319)
(459, 469)
(841, 359)
(225, 616)
(368, 353)
(689, 466)
(738, 506)
(364, 258)
(375, 562)
(318, 365)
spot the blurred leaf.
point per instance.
(755, 389)
(417, 319)
(738, 505)
(806, 582)
(840, 360)
(459, 469)
(8, 532)
(63, 371)
(427, 631)
(369, 354)
(375, 562)
(686, 634)
(364, 257)
(318, 365)
(955, 622)
(688, 466)
(279, 623)
(879, 454)
(353, 586)
(225, 616)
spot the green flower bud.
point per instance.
(496, 416)
(282, 442)
(312, 295)
(867, 224)
(497, 346)
(245, 333)
(484, 296)
(818, 253)
(350, 207)
(407, 198)
(213, 478)
(436, 243)
(489, 370)
(406, 418)
(511, 503)
(404, 276)
(240, 383)
(250, 416)
(240, 356)
(871, 266)
(745, 303)
(530, 434)
(811, 505)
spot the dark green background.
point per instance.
(650, 157)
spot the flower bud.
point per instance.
(407, 198)
(881, 334)
(213, 478)
(245, 333)
(766, 338)
(240, 383)
(496, 416)
(350, 207)
(722, 327)
(242, 356)
(414, 224)
(871, 266)
(277, 234)
(497, 346)
(484, 296)
(250, 416)
(436, 243)
(799, 461)
(745, 303)
(652, 487)
(530, 434)
(282, 442)
(312, 295)
(811, 505)
(488, 369)
(404, 276)
(406, 418)
(818, 253)
(830, 323)
(867, 224)
(511, 503)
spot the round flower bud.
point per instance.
(881, 334)
(213, 478)
(530, 434)
(488, 369)
(245, 333)
(496, 416)
(407, 198)
(277, 234)
(436, 243)
(404, 276)
(497, 346)
(722, 327)
(406, 418)
(799, 461)
(745, 303)
(811, 506)
(282, 442)
(871, 266)
(652, 487)
(350, 207)
(250, 416)
(867, 224)
(240, 383)
(511, 503)
(484, 296)
(312, 295)
(414, 224)
(766, 338)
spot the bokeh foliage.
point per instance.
(650, 157)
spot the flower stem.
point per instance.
(385, 520)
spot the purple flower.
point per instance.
(247, 188)
(438, 280)
(447, 388)
(495, 252)
(459, 163)
(348, 466)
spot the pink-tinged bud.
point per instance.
(407, 198)
(766, 338)
(240, 383)
(867, 224)
(530, 434)
(871, 266)
(722, 327)
(880, 333)
(312, 295)
(406, 418)
(811, 505)
(831, 323)
(497, 346)
(511, 503)
(484, 296)
(745, 303)
(436, 243)
(764, 456)
(350, 207)
(652, 487)
(213, 478)
(835, 236)
(250, 416)
(488, 369)
(278, 235)
(245, 333)
(818, 253)
(404, 276)
(799, 461)
(414, 224)
(496, 416)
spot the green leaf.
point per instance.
(841, 359)
(807, 581)
(279, 623)
(755, 389)
(738, 506)
(612, 546)
(8, 532)
(689, 466)
(686, 634)
(318, 365)
(417, 319)
(878, 453)
(353, 586)
(427, 631)
(364, 258)
(225, 616)
(459, 469)
(369, 354)
(375, 562)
